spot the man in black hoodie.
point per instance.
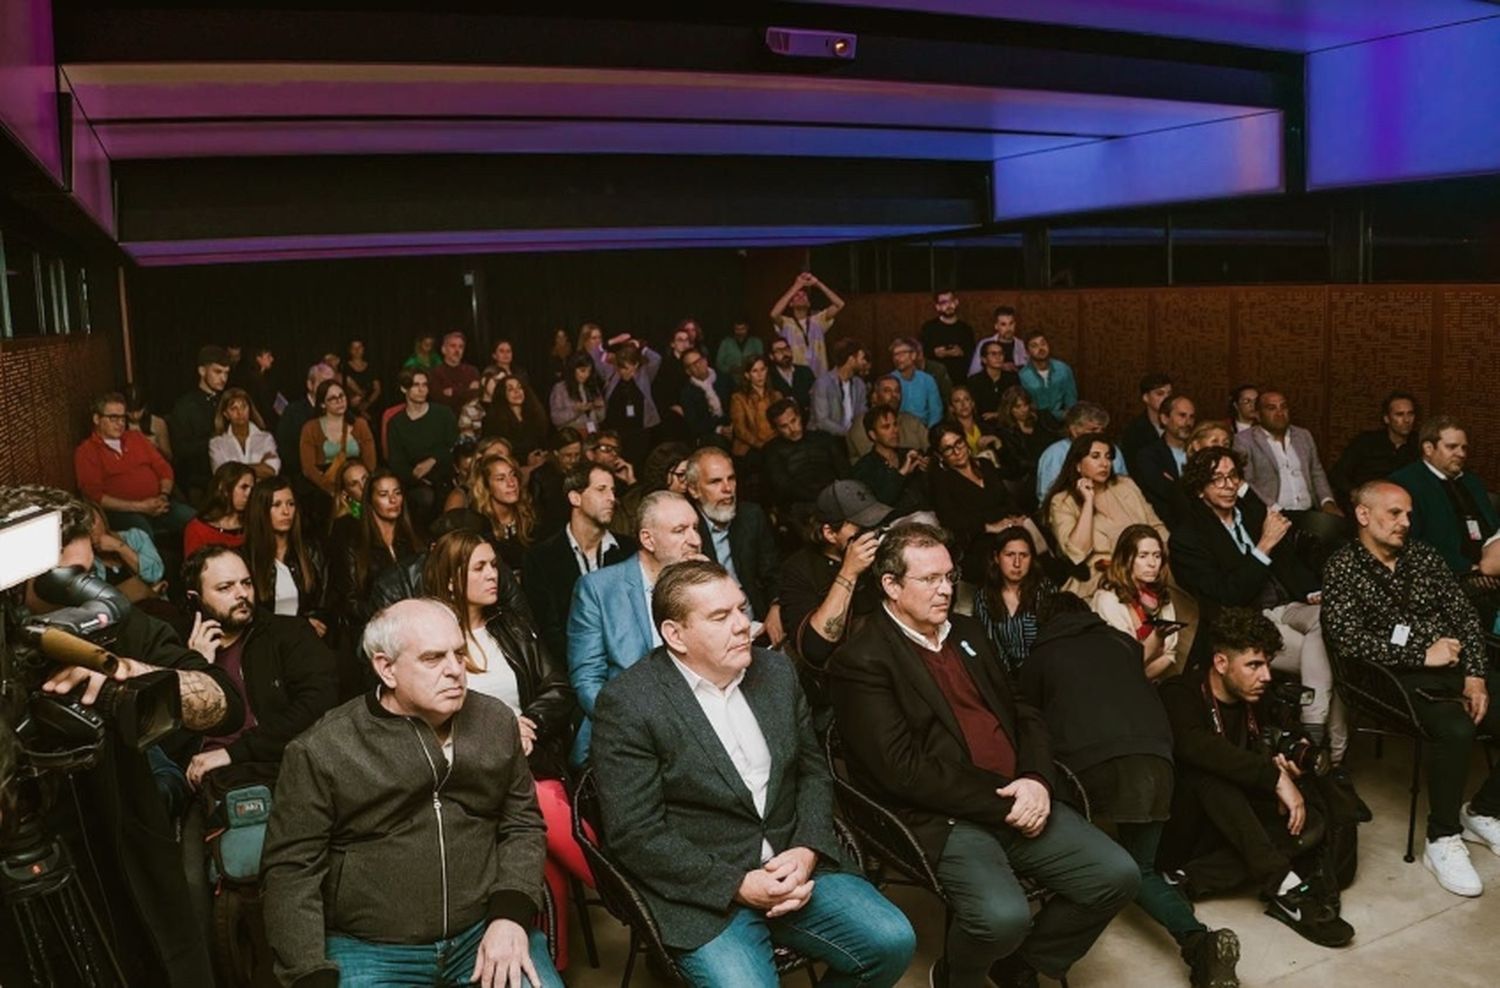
(1239, 811)
(1107, 724)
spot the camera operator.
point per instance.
(123, 820)
(1244, 805)
(278, 664)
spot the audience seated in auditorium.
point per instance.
(609, 621)
(1157, 466)
(1049, 381)
(424, 355)
(302, 410)
(667, 386)
(735, 349)
(938, 371)
(1007, 602)
(349, 488)
(580, 547)
(332, 439)
(1147, 427)
(629, 408)
(577, 399)
(705, 401)
(519, 418)
(287, 564)
(895, 474)
(799, 463)
(192, 420)
(885, 392)
(919, 392)
(989, 384)
(1230, 550)
(946, 338)
(747, 408)
(805, 331)
(564, 452)
(366, 545)
(1392, 600)
(422, 435)
(1134, 598)
(1281, 459)
(1450, 508)
(127, 475)
(1106, 723)
(1084, 419)
(1378, 453)
(222, 520)
(736, 534)
(503, 364)
(126, 559)
(140, 418)
(839, 397)
(507, 661)
(453, 383)
(1240, 812)
(731, 865)
(665, 469)
(1003, 320)
(358, 796)
(971, 499)
(1087, 508)
(1243, 402)
(240, 436)
(932, 730)
(502, 504)
(364, 385)
(980, 435)
(792, 379)
(1209, 434)
(1026, 436)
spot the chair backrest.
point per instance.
(1373, 690)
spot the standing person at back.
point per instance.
(947, 338)
(192, 421)
(804, 330)
(1013, 347)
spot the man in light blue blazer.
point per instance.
(609, 622)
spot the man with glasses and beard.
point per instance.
(932, 729)
(736, 536)
(278, 664)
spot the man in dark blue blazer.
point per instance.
(609, 623)
(1450, 508)
(716, 799)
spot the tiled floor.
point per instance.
(1410, 931)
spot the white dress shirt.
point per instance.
(225, 448)
(1294, 493)
(649, 586)
(587, 564)
(729, 714)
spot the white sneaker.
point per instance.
(1480, 829)
(1448, 860)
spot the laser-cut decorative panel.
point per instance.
(46, 390)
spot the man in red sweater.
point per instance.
(454, 383)
(123, 471)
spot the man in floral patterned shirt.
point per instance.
(1394, 602)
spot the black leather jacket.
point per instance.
(546, 695)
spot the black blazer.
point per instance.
(753, 547)
(678, 817)
(904, 745)
(551, 572)
(1136, 436)
(1154, 470)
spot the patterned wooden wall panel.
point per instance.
(977, 309)
(1115, 351)
(1470, 366)
(899, 314)
(1057, 313)
(1280, 338)
(1383, 339)
(46, 388)
(1191, 343)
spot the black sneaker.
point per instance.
(1311, 915)
(1013, 972)
(1211, 957)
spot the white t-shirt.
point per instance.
(498, 678)
(287, 597)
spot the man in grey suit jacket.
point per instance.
(838, 397)
(717, 800)
(1281, 460)
(609, 622)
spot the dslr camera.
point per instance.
(1282, 733)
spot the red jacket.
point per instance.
(133, 474)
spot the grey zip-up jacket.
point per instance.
(373, 835)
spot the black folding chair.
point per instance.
(625, 902)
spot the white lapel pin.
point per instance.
(969, 649)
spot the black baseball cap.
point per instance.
(850, 500)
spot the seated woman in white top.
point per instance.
(1134, 598)
(240, 436)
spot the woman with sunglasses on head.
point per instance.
(507, 660)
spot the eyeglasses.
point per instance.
(606, 448)
(948, 449)
(931, 582)
(116, 417)
(1225, 480)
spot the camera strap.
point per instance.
(1251, 723)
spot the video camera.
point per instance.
(1282, 734)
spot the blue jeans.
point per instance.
(424, 965)
(846, 925)
(1091, 877)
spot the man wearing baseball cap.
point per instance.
(825, 584)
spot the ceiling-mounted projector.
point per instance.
(797, 43)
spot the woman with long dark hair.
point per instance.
(577, 400)
(498, 494)
(518, 418)
(240, 435)
(222, 520)
(1133, 597)
(1007, 603)
(379, 537)
(1026, 434)
(1088, 507)
(507, 660)
(289, 570)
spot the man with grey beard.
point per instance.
(736, 536)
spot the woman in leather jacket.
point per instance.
(508, 660)
(288, 566)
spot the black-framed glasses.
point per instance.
(948, 449)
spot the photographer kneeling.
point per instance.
(1245, 804)
(122, 823)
